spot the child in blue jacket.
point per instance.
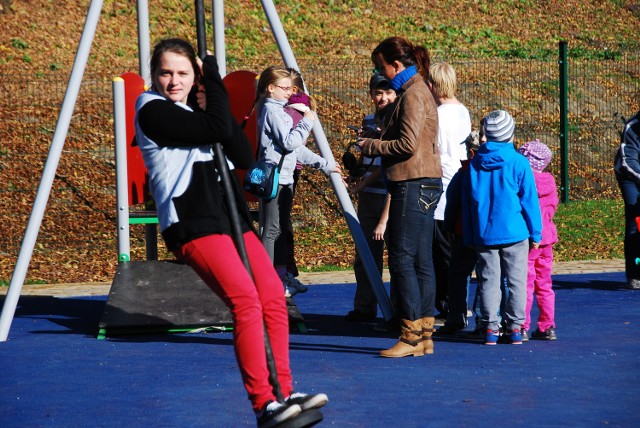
(501, 220)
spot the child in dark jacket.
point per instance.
(464, 258)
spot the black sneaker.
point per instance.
(307, 401)
(274, 413)
(357, 316)
(549, 334)
(392, 326)
(450, 328)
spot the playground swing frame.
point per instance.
(64, 119)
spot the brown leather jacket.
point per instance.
(409, 141)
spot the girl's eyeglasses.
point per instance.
(284, 88)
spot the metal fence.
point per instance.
(82, 202)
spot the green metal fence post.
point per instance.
(564, 127)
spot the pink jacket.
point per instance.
(548, 196)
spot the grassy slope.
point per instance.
(45, 34)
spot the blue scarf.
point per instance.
(402, 77)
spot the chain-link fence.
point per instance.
(82, 202)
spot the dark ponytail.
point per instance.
(399, 49)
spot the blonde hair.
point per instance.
(296, 78)
(269, 77)
(298, 82)
(443, 80)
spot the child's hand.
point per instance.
(378, 232)
(534, 245)
(310, 114)
(355, 187)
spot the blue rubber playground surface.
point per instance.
(55, 373)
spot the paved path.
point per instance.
(334, 277)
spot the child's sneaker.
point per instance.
(550, 334)
(293, 282)
(289, 290)
(514, 337)
(450, 328)
(274, 413)
(525, 334)
(307, 401)
(491, 337)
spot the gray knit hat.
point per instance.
(499, 126)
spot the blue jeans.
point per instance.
(410, 239)
(631, 195)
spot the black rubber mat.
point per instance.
(160, 295)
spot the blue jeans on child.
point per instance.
(410, 239)
(511, 261)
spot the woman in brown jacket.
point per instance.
(411, 167)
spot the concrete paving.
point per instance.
(331, 277)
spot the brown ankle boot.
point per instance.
(410, 342)
(427, 332)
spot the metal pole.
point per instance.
(564, 122)
(144, 48)
(201, 33)
(122, 194)
(144, 45)
(341, 192)
(219, 48)
(48, 175)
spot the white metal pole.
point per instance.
(122, 192)
(341, 192)
(144, 44)
(48, 175)
(219, 48)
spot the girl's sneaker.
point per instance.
(307, 401)
(549, 334)
(525, 334)
(274, 413)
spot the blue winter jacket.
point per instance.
(500, 202)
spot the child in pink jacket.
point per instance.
(541, 259)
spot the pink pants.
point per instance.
(216, 261)
(539, 282)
